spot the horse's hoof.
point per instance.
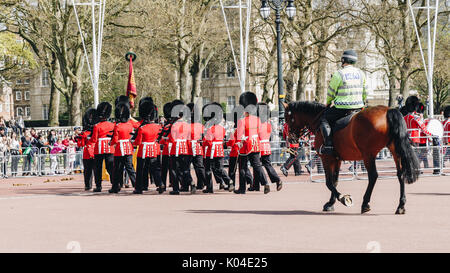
(400, 211)
(328, 207)
(346, 200)
(365, 208)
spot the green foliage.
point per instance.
(15, 55)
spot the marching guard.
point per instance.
(123, 155)
(163, 140)
(149, 150)
(265, 130)
(293, 150)
(248, 139)
(195, 146)
(213, 142)
(89, 119)
(179, 154)
(100, 139)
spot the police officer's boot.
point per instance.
(327, 147)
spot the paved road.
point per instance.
(58, 216)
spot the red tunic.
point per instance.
(146, 139)
(214, 141)
(415, 126)
(179, 136)
(247, 135)
(88, 149)
(285, 134)
(195, 147)
(234, 145)
(265, 129)
(446, 124)
(99, 137)
(121, 138)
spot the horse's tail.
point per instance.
(409, 169)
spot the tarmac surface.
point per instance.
(55, 214)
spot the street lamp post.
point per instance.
(278, 6)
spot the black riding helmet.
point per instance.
(349, 57)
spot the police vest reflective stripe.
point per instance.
(350, 93)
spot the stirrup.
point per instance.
(326, 150)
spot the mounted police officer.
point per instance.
(347, 93)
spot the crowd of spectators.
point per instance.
(20, 148)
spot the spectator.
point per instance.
(14, 150)
(58, 147)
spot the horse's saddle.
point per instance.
(344, 121)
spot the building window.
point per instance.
(206, 101)
(19, 81)
(26, 95)
(26, 81)
(18, 95)
(19, 112)
(45, 77)
(45, 112)
(28, 111)
(231, 102)
(231, 71)
(205, 73)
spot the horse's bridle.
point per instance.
(305, 131)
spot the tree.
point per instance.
(16, 57)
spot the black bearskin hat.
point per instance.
(263, 111)
(248, 98)
(146, 109)
(412, 104)
(122, 98)
(174, 104)
(89, 118)
(122, 112)
(104, 110)
(146, 99)
(213, 110)
(447, 111)
(166, 110)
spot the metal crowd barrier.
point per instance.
(40, 164)
(434, 161)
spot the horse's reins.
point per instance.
(305, 131)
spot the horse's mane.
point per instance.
(307, 107)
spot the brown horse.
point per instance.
(368, 132)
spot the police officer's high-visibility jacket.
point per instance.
(347, 88)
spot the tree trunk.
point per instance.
(75, 104)
(320, 79)
(301, 83)
(53, 111)
(391, 78)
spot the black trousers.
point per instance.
(181, 172)
(144, 167)
(199, 169)
(232, 162)
(214, 166)
(165, 167)
(265, 161)
(293, 160)
(244, 171)
(121, 162)
(332, 114)
(109, 163)
(88, 166)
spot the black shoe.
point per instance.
(436, 172)
(97, 189)
(174, 193)
(161, 190)
(193, 189)
(87, 188)
(279, 185)
(266, 189)
(239, 191)
(137, 192)
(208, 190)
(183, 189)
(221, 187)
(145, 189)
(113, 191)
(231, 188)
(284, 171)
(199, 187)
